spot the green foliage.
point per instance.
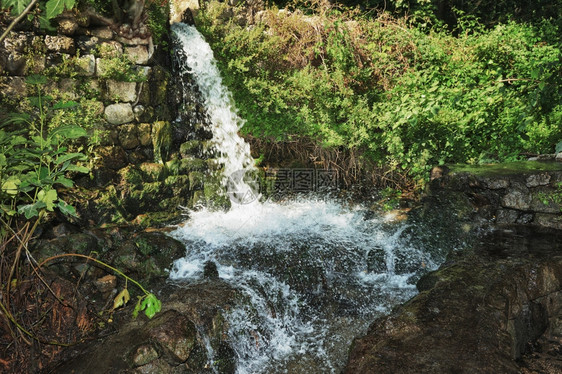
(157, 22)
(400, 95)
(37, 158)
(119, 66)
(56, 7)
(49, 9)
(149, 303)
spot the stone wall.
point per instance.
(518, 193)
(147, 163)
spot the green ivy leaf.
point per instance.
(56, 7)
(69, 132)
(66, 209)
(70, 156)
(18, 6)
(31, 210)
(48, 197)
(79, 169)
(65, 182)
(149, 303)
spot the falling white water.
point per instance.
(314, 273)
(197, 59)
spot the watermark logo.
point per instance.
(245, 187)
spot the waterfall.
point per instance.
(315, 272)
(194, 56)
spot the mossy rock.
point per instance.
(191, 148)
(196, 180)
(162, 140)
(190, 164)
(153, 172)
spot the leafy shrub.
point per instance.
(404, 97)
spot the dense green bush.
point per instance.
(404, 96)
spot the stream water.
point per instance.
(314, 272)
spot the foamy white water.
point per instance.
(314, 273)
(197, 59)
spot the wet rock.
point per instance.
(120, 113)
(101, 33)
(86, 65)
(210, 270)
(15, 64)
(190, 164)
(538, 180)
(191, 148)
(128, 136)
(145, 133)
(479, 313)
(506, 216)
(106, 284)
(60, 44)
(138, 54)
(497, 184)
(517, 198)
(144, 355)
(175, 334)
(121, 91)
(149, 254)
(112, 157)
(376, 260)
(162, 345)
(67, 26)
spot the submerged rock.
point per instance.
(479, 313)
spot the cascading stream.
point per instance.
(314, 272)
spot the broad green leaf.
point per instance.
(43, 173)
(66, 209)
(3, 161)
(56, 7)
(151, 305)
(18, 140)
(70, 156)
(79, 169)
(17, 118)
(48, 197)
(65, 182)
(36, 79)
(7, 210)
(65, 104)
(11, 186)
(121, 299)
(31, 210)
(18, 6)
(69, 132)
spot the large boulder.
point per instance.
(479, 313)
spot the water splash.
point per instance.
(314, 272)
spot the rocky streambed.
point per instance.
(495, 306)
